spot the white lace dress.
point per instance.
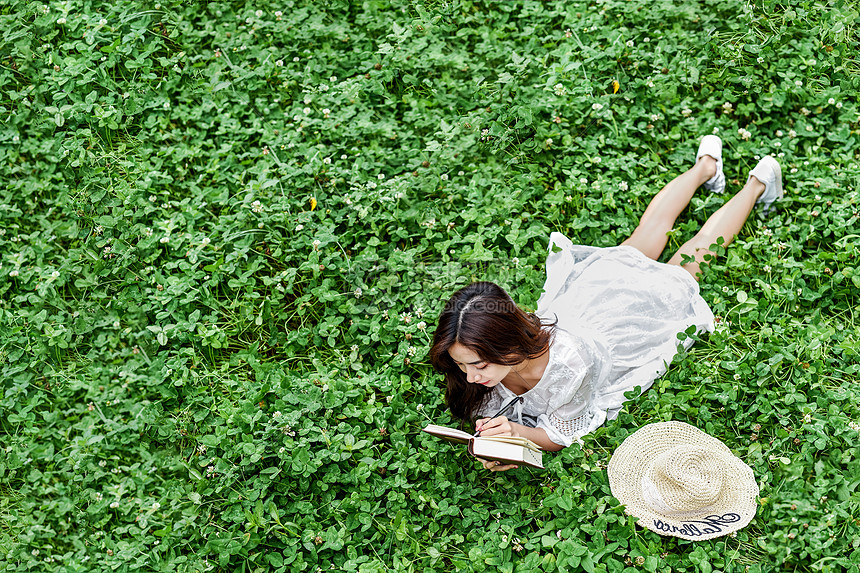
(619, 314)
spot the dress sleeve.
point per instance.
(576, 367)
(490, 405)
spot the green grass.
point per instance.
(226, 233)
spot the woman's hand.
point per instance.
(500, 426)
(495, 466)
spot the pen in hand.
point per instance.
(502, 411)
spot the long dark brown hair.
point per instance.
(483, 318)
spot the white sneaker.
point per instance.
(768, 172)
(713, 146)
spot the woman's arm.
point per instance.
(501, 426)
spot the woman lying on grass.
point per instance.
(607, 321)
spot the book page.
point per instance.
(449, 434)
(523, 442)
(505, 452)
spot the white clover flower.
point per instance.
(147, 232)
(333, 79)
(55, 275)
(422, 325)
(831, 101)
(156, 506)
(326, 111)
(278, 14)
(808, 128)
(279, 63)
(381, 176)
(307, 110)
(358, 292)
(807, 418)
(777, 144)
(779, 133)
(276, 414)
(327, 160)
(798, 83)
(686, 112)
(597, 159)
(205, 241)
(727, 106)
(766, 268)
(650, 84)
(411, 351)
(559, 90)
(597, 106)
(165, 239)
(257, 207)
(258, 13)
(316, 244)
(629, 43)
(296, 59)
(792, 133)
(114, 504)
(583, 180)
(716, 130)
(548, 142)
(654, 117)
(623, 186)
(102, 22)
(839, 105)
(444, 177)
(804, 111)
(647, 39)
(61, 21)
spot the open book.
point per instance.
(505, 449)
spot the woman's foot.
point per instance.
(712, 146)
(769, 173)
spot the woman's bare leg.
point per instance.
(726, 223)
(650, 236)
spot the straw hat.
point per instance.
(680, 481)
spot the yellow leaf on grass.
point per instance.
(615, 86)
(313, 203)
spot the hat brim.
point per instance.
(734, 508)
